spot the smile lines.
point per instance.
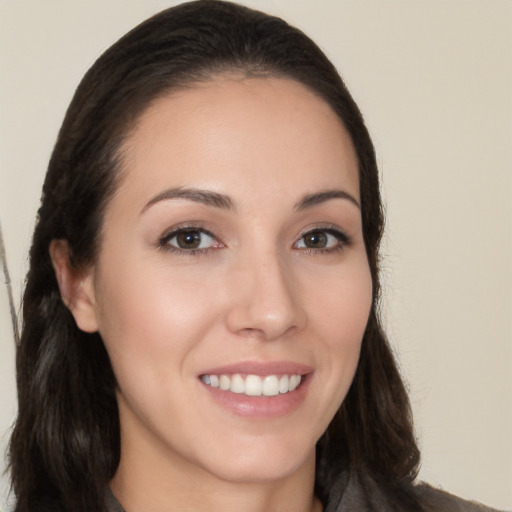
(253, 385)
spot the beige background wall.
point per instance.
(434, 79)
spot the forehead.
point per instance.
(237, 133)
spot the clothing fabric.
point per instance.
(347, 495)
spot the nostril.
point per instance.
(266, 334)
(252, 332)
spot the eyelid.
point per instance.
(163, 241)
(343, 238)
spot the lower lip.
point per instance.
(260, 406)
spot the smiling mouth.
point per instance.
(254, 385)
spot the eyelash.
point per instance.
(163, 243)
(342, 238)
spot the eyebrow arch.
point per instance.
(196, 195)
(320, 197)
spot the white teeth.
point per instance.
(237, 384)
(283, 384)
(294, 382)
(254, 385)
(224, 382)
(271, 385)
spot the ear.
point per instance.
(76, 286)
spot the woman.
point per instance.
(212, 151)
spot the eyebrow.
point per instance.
(224, 202)
(196, 195)
(326, 195)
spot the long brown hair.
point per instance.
(65, 445)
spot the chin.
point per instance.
(261, 464)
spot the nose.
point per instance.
(266, 301)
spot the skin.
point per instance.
(258, 293)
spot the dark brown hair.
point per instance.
(65, 444)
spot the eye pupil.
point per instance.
(188, 239)
(315, 240)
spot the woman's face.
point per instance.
(232, 287)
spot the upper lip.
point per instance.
(261, 368)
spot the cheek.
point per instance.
(151, 322)
(152, 325)
(344, 305)
(341, 317)
(151, 302)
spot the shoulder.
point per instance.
(437, 500)
(353, 492)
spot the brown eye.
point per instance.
(315, 240)
(188, 239)
(322, 240)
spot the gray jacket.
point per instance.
(348, 496)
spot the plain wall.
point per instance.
(434, 81)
